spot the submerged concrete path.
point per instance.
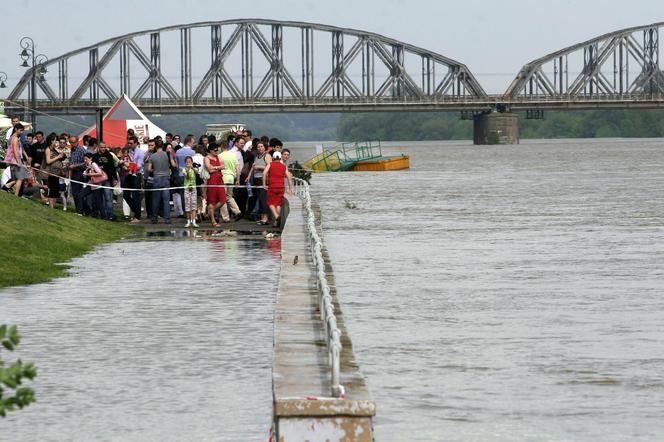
(243, 225)
(303, 406)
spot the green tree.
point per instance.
(12, 395)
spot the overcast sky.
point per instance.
(493, 38)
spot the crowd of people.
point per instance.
(217, 180)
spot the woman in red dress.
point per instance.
(216, 195)
(274, 176)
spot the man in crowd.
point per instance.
(29, 139)
(160, 164)
(36, 150)
(148, 180)
(186, 151)
(249, 140)
(104, 159)
(134, 178)
(231, 176)
(285, 156)
(23, 138)
(77, 166)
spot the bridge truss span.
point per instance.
(619, 65)
(202, 66)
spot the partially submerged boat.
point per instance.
(382, 164)
(356, 156)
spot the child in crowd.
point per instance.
(190, 194)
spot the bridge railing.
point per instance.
(325, 304)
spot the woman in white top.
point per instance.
(201, 191)
(260, 163)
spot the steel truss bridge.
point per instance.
(256, 65)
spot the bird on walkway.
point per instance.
(295, 260)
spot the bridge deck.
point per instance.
(365, 104)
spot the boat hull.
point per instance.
(382, 164)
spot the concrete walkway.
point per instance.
(243, 225)
(303, 406)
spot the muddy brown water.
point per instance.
(492, 293)
(501, 293)
(154, 340)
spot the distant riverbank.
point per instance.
(418, 126)
(406, 126)
(35, 240)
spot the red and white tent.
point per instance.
(124, 115)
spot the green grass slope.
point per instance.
(35, 238)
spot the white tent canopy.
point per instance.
(6, 122)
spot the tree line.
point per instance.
(404, 126)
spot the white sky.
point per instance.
(493, 38)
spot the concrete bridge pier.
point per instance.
(496, 128)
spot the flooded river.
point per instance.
(493, 293)
(150, 341)
(501, 293)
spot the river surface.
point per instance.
(157, 340)
(502, 293)
(492, 293)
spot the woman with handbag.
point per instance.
(53, 165)
(16, 159)
(95, 176)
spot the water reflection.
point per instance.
(274, 247)
(150, 340)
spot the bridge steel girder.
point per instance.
(617, 64)
(262, 60)
(361, 104)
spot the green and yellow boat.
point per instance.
(364, 156)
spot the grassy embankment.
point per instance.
(34, 239)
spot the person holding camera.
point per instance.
(95, 176)
(54, 158)
(104, 159)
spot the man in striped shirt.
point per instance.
(76, 167)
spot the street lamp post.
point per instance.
(3, 78)
(38, 60)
